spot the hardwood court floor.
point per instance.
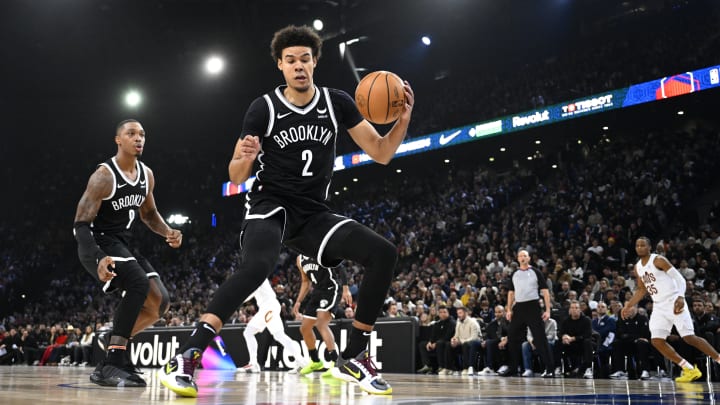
(64, 385)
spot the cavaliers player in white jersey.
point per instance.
(659, 278)
(289, 136)
(119, 192)
(268, 316)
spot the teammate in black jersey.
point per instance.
(119, 192)
(291, 132)
(328, 287)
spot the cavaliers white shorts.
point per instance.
(662, 320)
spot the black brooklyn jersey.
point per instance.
(297, 153)
(119, 211)
(322, 277)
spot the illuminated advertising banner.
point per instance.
(392, 344)
(672, 86)
(666, 87)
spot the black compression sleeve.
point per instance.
(86, 242)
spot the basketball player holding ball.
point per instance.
(292, 131)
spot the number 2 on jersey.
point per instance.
(307, 156)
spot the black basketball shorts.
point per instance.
(124, 262)
(321, 300)
(307, 229)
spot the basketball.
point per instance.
(380, 97)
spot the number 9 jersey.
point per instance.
(297, 144)
(119, 210)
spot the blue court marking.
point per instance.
(611, 399)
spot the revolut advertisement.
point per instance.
(392, 344)
(659, 89)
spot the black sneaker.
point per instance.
(97, 373)
(129, 366)
(110, 375)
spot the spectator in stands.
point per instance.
(575, 334)
(632, 341)
(467, 340)
(439, 344)
(706, 323)
(686, 271)
(30, 349)
(82, 353)
(496, 344)
(11, 348)
(484, 313)
(605, 325)
(562, 295)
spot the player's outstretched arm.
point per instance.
(151, 217)
(382, 148)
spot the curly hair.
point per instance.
(293, 35)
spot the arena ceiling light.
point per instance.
(214, 65)
(178, 219)
(426, 40)
(133, 98)
(318, 24)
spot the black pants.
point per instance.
(579, 353)
(632, 348)
(470, 352)
(527, 315)
(438, 357)
(494, 357)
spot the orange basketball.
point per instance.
(380, 97)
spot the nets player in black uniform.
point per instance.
(120, 192)
(292, 132)
(327, 288)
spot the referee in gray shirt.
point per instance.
(523, 311)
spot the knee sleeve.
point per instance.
(260, 249)
(136, 285)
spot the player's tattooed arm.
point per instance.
(99, 186)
